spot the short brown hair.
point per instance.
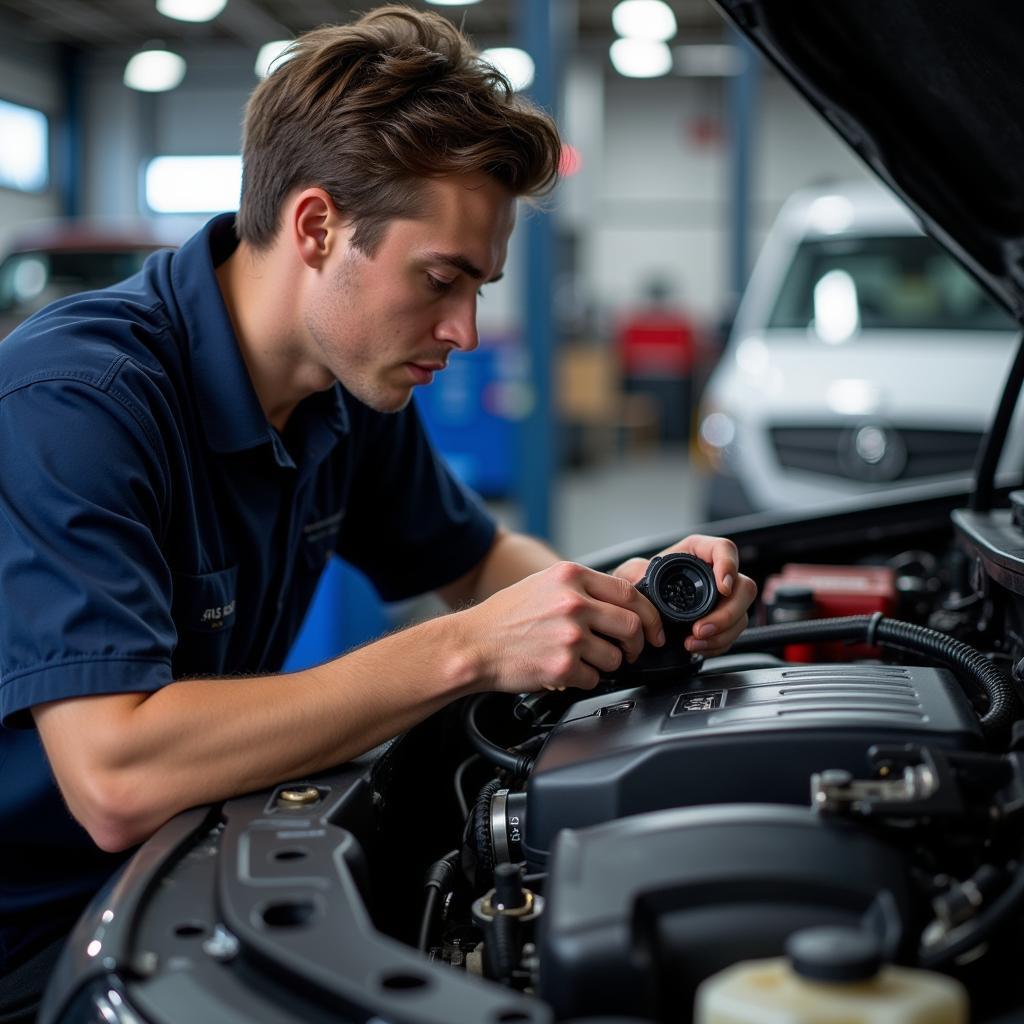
(367, 111)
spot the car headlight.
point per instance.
(716, 434)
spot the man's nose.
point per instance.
(459, 327)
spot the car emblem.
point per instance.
(871, 444)
(872, 453)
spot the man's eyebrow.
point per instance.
(460, 262)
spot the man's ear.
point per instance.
(316, 225)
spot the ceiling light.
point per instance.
(271, 53)
(515, 64)
(191, 10)
(641, 58)
(154, 71)
(452, 3)
(644, 19)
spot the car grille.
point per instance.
(889, 453)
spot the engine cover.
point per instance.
(641, 910)
(752, 736)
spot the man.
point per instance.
(181, 453)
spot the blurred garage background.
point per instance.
(586, 415)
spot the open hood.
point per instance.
(930, 93)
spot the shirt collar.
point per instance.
(232, 416)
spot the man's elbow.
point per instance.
(107, 806)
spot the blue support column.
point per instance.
(742, 99)
(70, 162)
(538, 437)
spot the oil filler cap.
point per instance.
(834, 954)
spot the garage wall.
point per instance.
(652, 198)
(663, 189)
(29, 74)
(124, 129)
(203, 116)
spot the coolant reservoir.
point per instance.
(829, 976)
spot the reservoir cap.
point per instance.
(834, 954)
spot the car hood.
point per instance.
(902, 378)
(929, 93)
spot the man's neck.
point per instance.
(260, 291)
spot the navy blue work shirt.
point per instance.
(155, 526)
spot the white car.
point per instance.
(862, 356)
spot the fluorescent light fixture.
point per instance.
(452, 3)
(641, 58)
(644, 19)
(193, 184)
(515, 64)
(25, 153)
(191, 10)
(709, 60)
(836, 311)
(154, 71)
(271, 53)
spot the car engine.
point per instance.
(844, 770)
(853, 763)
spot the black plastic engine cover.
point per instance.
(754, 736)
(640, 911)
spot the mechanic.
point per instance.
(180, 454)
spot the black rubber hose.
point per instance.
(438, 883)
(502, 948)
(430, 906)
(478, 848)
(519, 765)
(968, 663)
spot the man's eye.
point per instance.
(438, 284)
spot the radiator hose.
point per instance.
(966, 662)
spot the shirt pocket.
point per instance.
(204, 609)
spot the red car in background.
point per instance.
(46, 262)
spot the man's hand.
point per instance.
(713, 634)
(556, 628)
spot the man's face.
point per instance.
(382, 324)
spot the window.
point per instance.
(25, 152)
(193, 184)
(899, 282)
(31, 280)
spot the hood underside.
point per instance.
(930, 93)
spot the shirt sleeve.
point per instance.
(87, 591)
(411, 526)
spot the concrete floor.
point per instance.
(622, 498)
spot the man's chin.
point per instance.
(390, 402)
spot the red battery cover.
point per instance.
(838, 590)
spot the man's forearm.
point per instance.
(512, 557)
(150, 756)
(202, 740)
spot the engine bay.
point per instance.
(853, 763)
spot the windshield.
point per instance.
(31, 280)
(894, 282)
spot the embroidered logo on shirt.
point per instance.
(215, 618)
(321, 529)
